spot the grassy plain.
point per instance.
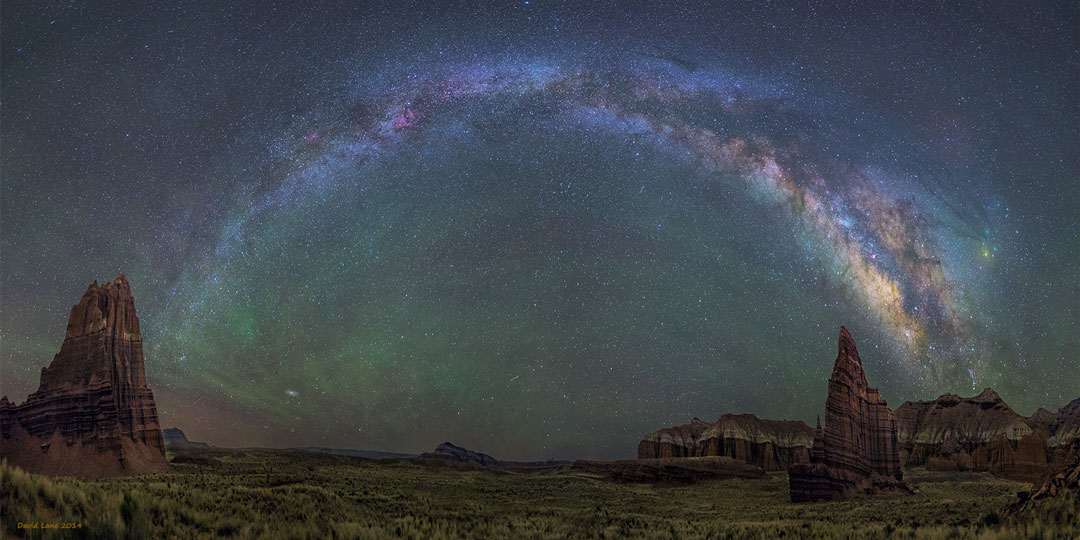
(281, 494)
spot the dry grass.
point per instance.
(272, 494)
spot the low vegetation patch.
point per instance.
(281, 494)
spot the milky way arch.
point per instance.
(870, 231)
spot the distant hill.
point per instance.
(449, 454)
(370, 454)
(175, 437)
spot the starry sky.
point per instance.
(539, 229)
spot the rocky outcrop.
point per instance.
(982, 433)
(1058, 486)
(772, 445)
(858, 452)
(455, 456)
(449, 452)
(979, 433)
(1042, 419)
(93, 413)
(1066, 426)
(176, 437)
(670, 470)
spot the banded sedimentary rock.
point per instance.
(1060, 481)
(772, 445)
(93, 413)
(979, 433)
(1066, 426)
(857, 451)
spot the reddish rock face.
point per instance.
(770, 444)
(1061, 479)
(857, 452)
(93, 414)
(980, 433)
(1066, 427)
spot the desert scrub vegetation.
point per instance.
(281, 494)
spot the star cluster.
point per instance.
(539, 230)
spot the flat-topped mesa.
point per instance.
(769, 444)
(93, 413)
(857, 451)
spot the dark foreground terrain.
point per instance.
(213, 492)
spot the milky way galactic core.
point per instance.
(539, 231)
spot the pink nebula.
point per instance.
(405, 119)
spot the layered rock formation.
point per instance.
(857, 452)
(1066, 426)
(1040, 419)
(982, 433)
(1061, 480)
(979, 433)
(92, 414)
(770, 444)
(670, 470)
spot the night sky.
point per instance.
(539, 230)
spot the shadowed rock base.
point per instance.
(1061, 480)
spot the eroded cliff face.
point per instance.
(857, 451)
(982, 433)
(979, 433)
(1061, 480)
(772, 445)
(93, 413)
(1066, 427)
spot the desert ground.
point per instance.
(212, 492)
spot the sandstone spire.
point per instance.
(857, 452)
(93, 413)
